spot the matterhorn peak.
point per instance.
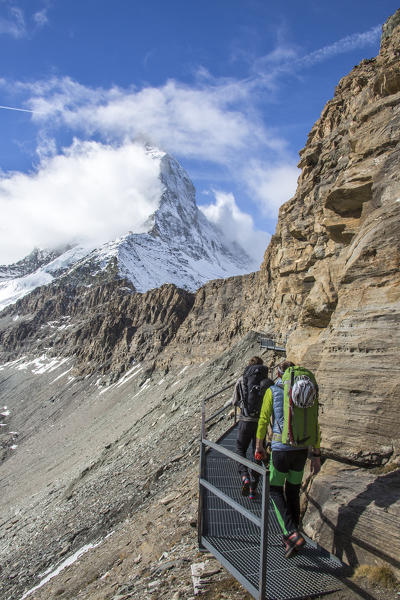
(176, 244)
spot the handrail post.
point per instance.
(264, 535)
(200, 514)
(203, 419)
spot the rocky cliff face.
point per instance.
(337, 247)
(334, 276)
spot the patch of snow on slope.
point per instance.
(130, 374)
(124, 379)
(66, 563)
(62, 375)
(42, 364)
(12, 363)
(143, 387)
(11, 291)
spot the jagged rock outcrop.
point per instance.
(105, 328)
(347, 214)
(215, 321)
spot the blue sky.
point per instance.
(231, 88)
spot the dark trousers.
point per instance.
(286, 473)
(247, 435)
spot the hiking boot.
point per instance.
(245, 486)
(293, 543)
(252, 494)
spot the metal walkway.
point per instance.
(244, 535)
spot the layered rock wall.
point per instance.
(347, 212)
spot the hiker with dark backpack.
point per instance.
(293, 404)
(248, 395)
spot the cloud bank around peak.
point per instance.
(91, 193)
(236, 225)
(271, 184)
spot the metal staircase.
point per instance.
(244, 535)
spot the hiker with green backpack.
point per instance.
(292, 402)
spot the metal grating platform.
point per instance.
(236, 541)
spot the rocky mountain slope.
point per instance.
(102, 385)
(175, 244)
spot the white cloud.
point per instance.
(236, 225)
(14, 24)
(271, 184)
(40, 17)
(287, 59)
(209, 121)
(346, 44)
(90, 193)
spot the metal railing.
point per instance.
(244, 535)
(261, 521)
(269, 343)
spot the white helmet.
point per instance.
(304, 392)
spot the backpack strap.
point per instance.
(243, 392)
(277, 437)
(291, 406)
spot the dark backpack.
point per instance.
(255, 384)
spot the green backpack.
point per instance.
(300, 407)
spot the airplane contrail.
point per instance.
(19, 109)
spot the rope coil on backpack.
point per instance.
(303, 392)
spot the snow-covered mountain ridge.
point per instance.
(179, 246)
